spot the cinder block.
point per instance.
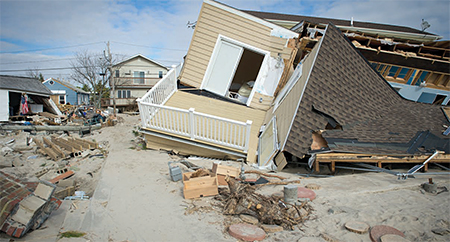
(44, 191)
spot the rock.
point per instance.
(378, 231)
(392, 238)
(249, 219)
(246, 232)
(357, 227)
(271, 228)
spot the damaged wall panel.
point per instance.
(215, 19)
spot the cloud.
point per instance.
(157, 29)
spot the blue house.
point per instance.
(66, 93)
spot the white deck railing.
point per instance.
(189, 123)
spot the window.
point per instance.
(403, 73)
(139, 77)
(62, 99)
(117, 73)
(426, 97)
(392, 71)
(123, 94)
(412, 77)
(160, 74)
(421, 78)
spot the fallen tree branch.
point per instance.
(265, 174)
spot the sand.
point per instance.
(135, 200)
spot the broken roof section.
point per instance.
(290, 20)
(339, 93)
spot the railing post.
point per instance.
(191, 123)
(248, 126)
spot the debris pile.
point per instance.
(270, 210)
(25, 205)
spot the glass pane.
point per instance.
(119, 94)
(411, 78)
(403, 73)
(426, 97)
(392, 71)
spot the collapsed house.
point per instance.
(13, 87)
(416, 63)
(240, 97)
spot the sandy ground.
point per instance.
(135, 200)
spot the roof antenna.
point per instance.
(425, 25)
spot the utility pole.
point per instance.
(111, 80)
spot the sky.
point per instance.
(45, 35)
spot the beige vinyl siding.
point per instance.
(214, 21)
(288, 107)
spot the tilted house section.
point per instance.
(234, 64)
(349, 107)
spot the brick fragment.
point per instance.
(62, 176)
(11, 230)
(18, 232)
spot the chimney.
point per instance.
(351, 22)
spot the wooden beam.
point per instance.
(92, 144)
(83, 144)
(46, 150)
(54, 147)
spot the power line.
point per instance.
(54, 48)
(43, 60)
(151, 47)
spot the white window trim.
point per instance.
(213, 57)
(59, 98)
(134, 80)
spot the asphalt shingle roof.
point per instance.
(374, 117)
(23, 84)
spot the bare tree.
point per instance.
(34, 73)
(91, 70)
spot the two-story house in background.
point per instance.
(132, 78)
(66, 93)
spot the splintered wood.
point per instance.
(242, 199)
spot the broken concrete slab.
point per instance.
(27, 209)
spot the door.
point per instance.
(224, 65)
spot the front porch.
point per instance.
(175, 119)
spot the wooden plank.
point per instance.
(81, 143)
(91, 144)
(54, 147)
(63, 144)
(225, 170)
(199, 186)
(46, 150)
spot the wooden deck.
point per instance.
(379, 160)
(222, 109)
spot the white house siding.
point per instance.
(4, 105)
